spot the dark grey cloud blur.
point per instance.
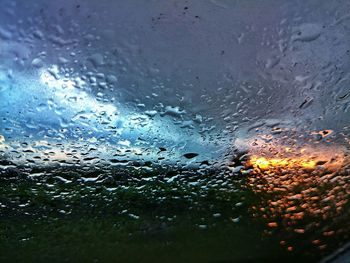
(211, 67)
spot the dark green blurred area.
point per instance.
(133, 216)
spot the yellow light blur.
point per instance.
(264, 163)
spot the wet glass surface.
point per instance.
(173, 131)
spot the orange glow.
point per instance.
(276, 157)
(303, 181)
(264, 164)
(298, 183)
